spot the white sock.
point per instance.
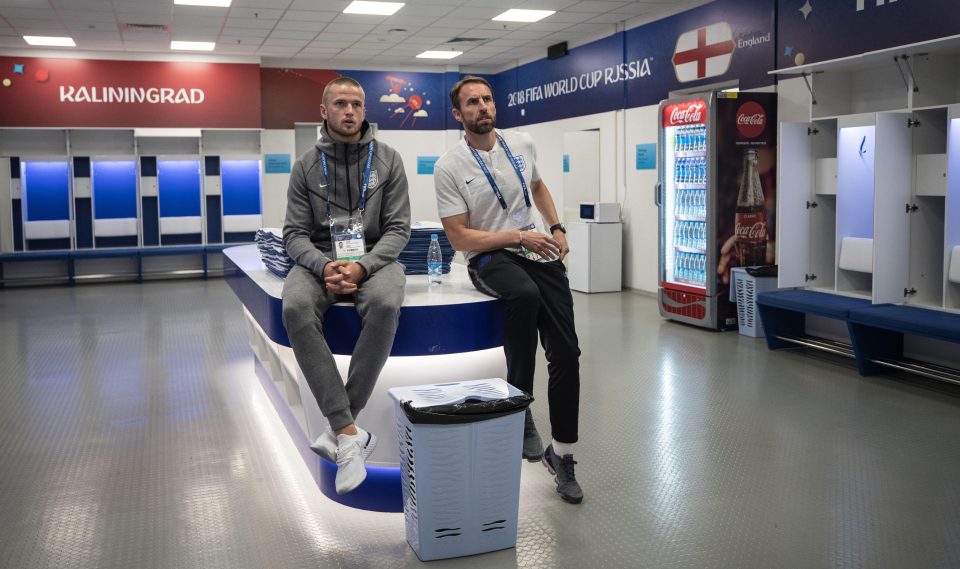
(562, 449)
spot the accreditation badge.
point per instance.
(346, 235)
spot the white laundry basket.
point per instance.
(744, 290)
(460, 456)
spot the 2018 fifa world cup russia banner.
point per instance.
(126, 94)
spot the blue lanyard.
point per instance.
(363, 185)
(493, 184)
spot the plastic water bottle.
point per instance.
(434, 262)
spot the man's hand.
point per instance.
(352, 272)
(542, 244)
(561, 238)
(336, 281)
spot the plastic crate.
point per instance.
(744, 292)
(460, 476)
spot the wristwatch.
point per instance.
(557, 226)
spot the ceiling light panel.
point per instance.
(515, 15)
(52, 41)
(193, 45)
(211, 3)
(439, 54)
(373, 8)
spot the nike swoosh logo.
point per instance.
(470, 180)
(322, 185)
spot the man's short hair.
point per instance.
(455, 91)
(342, 81)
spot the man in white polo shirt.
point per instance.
(487, 186)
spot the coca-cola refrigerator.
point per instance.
(717, 199)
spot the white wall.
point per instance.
(641, 216)
(410, 145)
(620, 131)
(275, 185)
(582, 182)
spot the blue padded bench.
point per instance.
(877, 334)
(784, 314)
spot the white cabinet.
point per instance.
(869, 201)
(595, 261)
(807, 205)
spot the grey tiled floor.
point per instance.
(134, 434)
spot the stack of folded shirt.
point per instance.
(414, 255)
(270, 243)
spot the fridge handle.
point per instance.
(656, 194)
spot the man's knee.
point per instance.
(384, 309)
(299, 309)
(522, 295)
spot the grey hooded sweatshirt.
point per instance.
(386, 216)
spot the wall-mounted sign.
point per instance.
(128, 94)
(425, 164)
(276, 163)
(721, 41)
(647, 156)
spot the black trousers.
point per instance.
(537, 300)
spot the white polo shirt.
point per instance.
(462, 187)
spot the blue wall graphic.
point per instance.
(810, 31)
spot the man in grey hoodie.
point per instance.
(348, 173)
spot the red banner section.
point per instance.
(103, 93)
(292, 95)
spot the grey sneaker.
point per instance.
(532, 447)
(562, 470)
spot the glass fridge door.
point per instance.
(684, 208)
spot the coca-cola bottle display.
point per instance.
(751, 216)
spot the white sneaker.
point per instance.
(326, 445)
(352, 453)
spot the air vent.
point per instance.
(146, 27)
(477, 41)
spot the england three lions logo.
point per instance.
(373, 181)
(520, 162)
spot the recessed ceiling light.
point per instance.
(373, 8)
(193, 45)
(439, 54)
(50, 41)
(528, 16)
(213, 3)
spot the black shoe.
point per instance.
(562, 469)
(532, 446)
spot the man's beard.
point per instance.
(343, 133)
(476, 128)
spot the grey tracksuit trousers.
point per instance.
(378, 300)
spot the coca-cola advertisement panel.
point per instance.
(746, 183)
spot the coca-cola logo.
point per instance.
(755, 232)
(687, 113)
(751, 119)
